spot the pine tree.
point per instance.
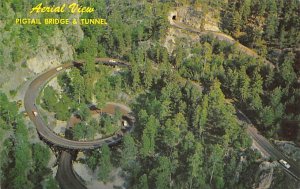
(287, 71)
(129, 152)
(149, 136)
(143, 182)
(163, 173)
(105, 164)
(196, 177)
(77, 85)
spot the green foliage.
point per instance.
(180, 128)
(84, 112)
(93, 160)
(52, 103)
(108, 125)
(8, 112)
(129, 152)
(195, 167)
(23, 159)
(162, 173)
(19, 42)
(80, 131)
(41, 157)
(148, 138)
(51, 183)
(78, 86)
(253, 21)
(143, 182)
(49, 98)
(22, 164)
(105, 164)
(287, 71)
(62, 108)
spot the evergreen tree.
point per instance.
(149, 136)
(129, 152)
(105, 164)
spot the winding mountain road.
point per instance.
(222, 37)
(66, 175)
(263, 144)
(44, 131)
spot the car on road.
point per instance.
(284, 163)
(124, 123)
(58, 68)
(34, 113)
(112, 61)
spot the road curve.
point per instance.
(222, 37)
(66, 176)
(262, 142)
(45, 132)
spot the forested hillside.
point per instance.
(20, 42)
(23, 164)
(264, 25)
(184, 100)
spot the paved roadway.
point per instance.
(267, 147)
(222, 37)
(44, 131)
(66, 176)
(263, 144)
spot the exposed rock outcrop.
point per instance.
(265, 175)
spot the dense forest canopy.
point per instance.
(23, 164)
(187, 133)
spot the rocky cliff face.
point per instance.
(196, 18)
(46, 58)
(51, 51)
(265, 175)
(190, 16)
(49, 54)
(269, 174)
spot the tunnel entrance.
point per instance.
(174, 17)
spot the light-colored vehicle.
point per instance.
(34, 113)
(284, 163)
(58, 68)
(112, 61)
(124, 123)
